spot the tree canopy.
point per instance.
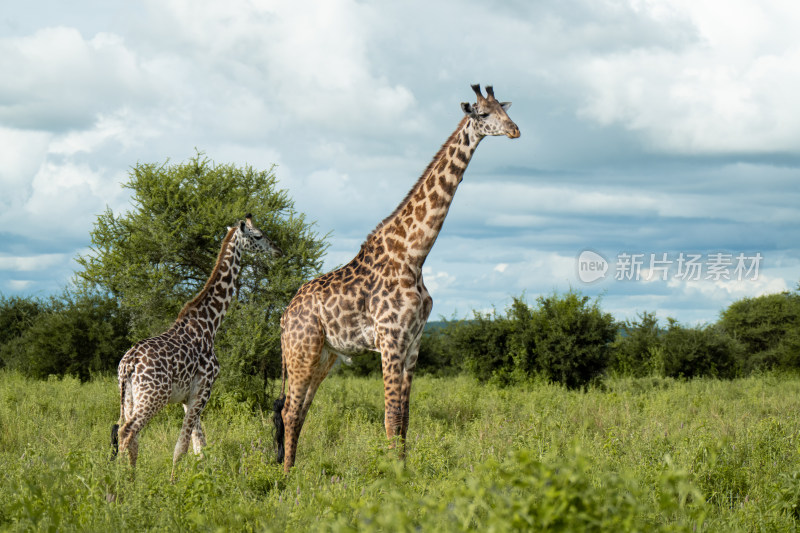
(158, 255)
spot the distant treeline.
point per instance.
(568, 339)
(144, 264)
(563, 338)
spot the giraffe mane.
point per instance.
(431, 165)
(191, 304)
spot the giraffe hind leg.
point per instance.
(138, 414)
(191, 420)
(198, 439)
(198, 436)
(129, 437)
(301, 395)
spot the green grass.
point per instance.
(636, 455)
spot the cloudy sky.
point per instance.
(659, 156)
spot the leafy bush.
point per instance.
(17, 314)
(566, 339)
(483, 345)
(525, 493)
(706, 351)
(636, 350)
(77, 335)
(769, 328)
(363, 364)
(158, 255)
(435, 357)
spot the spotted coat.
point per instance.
(179, 366)
(378, 301)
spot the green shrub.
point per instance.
(156, 256)
(564, 339)
(705, 351)
(435, 356)
(769, 328)
(483, 344)
(525, 493)
(76, 335)
(567, 340)
(17, 314)
(637, 348)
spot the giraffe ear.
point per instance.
(241, 226)
(505, 105)
(467, 109)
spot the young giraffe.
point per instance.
(179, 365)
(378, 300)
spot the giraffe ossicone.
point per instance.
(179, 366)
(378, 300)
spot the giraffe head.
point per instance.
(255, 240)
(489, 116)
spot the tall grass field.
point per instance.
(649, 454)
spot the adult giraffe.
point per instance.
(378, 300)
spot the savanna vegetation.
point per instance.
(548, 415)
(638, 454)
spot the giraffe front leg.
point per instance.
(405, 397)
(405, 389)
(393, 407)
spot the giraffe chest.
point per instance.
(357, 314)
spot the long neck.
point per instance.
(411, 230)
(211, 303)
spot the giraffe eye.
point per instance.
(483, 115)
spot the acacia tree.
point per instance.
(157, 255)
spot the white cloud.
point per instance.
(437, 281)
(352, 99)
(727, 92)
(300, 65)
(64, 201)
(123, 128)
(31, 263)
(725, 290)
(61, 80)
(19, 284)
(21, 152)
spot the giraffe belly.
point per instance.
(179, 393)
(351, 340)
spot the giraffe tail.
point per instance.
(114, 441)
(277, 408)
(115, 427)
(277, 420)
